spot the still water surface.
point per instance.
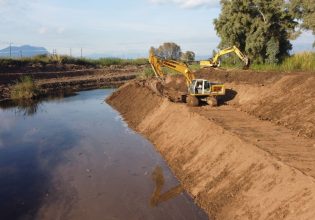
(75, 158)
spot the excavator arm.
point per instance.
(198, 89)
(158, 63)
(215, 61)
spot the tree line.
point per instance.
(262, 29)
(170, 50)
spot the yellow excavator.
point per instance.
(198, 89)
(215, 61)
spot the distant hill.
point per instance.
(24, 51)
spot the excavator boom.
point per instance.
(215, 61)
(157, 64)
(197, 89)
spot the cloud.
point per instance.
(189, 3)
(12, 3)
(6, 123)
(42, 30)
(4, 2)
(60, 30)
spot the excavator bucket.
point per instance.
(247, 63)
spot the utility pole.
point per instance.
(10, 49)
(81, 53)
(70, 52)
(21, 53)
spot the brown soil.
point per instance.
(286, 99)
(234, 164)
(71, 79)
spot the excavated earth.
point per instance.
(69, 79)
(253, 157)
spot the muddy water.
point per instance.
(75, 158)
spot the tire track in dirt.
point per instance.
(282, 143)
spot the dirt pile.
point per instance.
(285, 99)
(290, 101)
(228, 174)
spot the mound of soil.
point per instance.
(289, 101)
(143, 100)
(285, 99)
(234, 165)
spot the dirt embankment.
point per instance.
(71, 79)
(234, 165)
(282, 98)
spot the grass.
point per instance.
(194, 67)
(24, 89)
(50, 59)
(299, 62)
(146, 73)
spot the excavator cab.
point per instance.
(199, 87)
(202, 87)
(203, 90)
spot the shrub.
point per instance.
(146, 73)
(25, 89)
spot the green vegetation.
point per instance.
(194, 66)
(304, 10)
(297, 62)
(25, 89)
(146, 73)
(118, 61)
(172, 51)
(50, 59)
(260, 28)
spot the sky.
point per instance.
(115, 27)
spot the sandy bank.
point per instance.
(228, 174)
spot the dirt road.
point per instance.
(241, 160)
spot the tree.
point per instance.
(172, 51)
(152, 50)
(304, 10)
(261, 28)
(168, 50)
(188, 56)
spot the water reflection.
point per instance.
(27, 157)
(29, 107)
(76, 159)
(159, 197)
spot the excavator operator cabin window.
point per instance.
(207, 85)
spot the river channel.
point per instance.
(74, 157)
